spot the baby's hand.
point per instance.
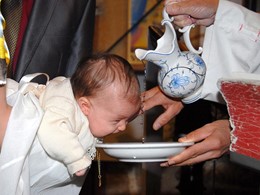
(81, 172)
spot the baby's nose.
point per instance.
(122, 127)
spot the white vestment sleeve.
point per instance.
(231, 45)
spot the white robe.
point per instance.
(231, 45)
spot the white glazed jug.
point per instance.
(181, 73)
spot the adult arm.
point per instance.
(230, 46)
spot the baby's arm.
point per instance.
(58, 136)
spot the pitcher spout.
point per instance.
(141, 54)
(167, 46)
(149, 55)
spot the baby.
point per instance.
(101, 97)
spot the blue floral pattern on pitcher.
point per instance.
(179, 81)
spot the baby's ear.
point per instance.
(84, 105)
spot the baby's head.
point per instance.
(108, 93)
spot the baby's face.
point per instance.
(110, 113)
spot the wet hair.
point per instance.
(101, 70)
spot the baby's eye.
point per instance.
(116, 121)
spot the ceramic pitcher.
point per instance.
(181, 73)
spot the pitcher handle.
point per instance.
(186, 35)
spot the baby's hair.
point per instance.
(101, 70)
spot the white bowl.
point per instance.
(143, 152)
